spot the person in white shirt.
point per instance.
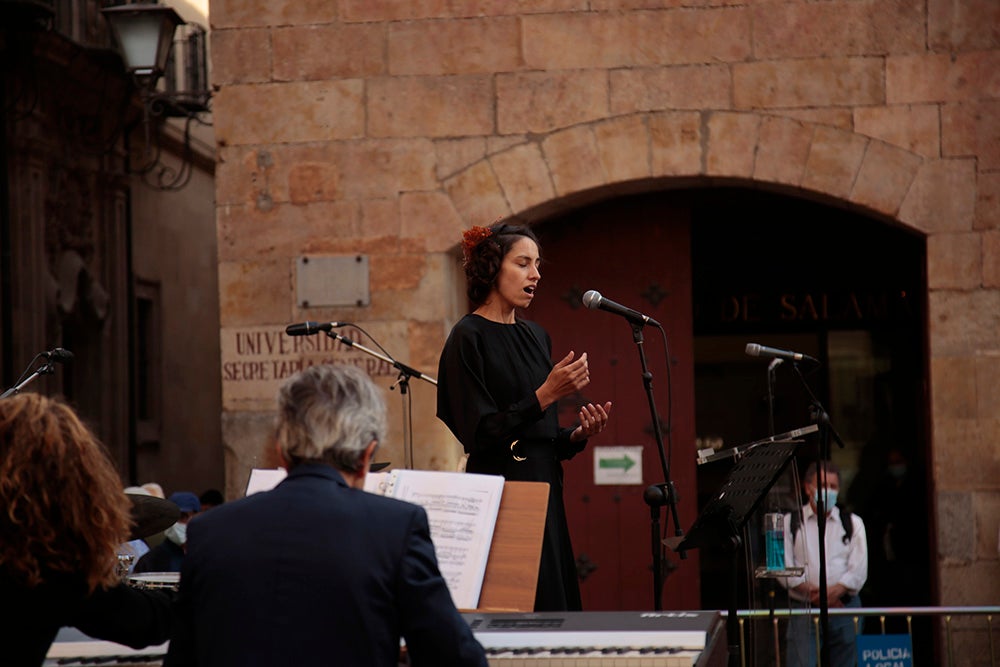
(846, 569)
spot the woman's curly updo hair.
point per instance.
(483, 250)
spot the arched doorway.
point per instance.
(719, 268)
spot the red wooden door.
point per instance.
(634, 251)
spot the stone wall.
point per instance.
(385, 128)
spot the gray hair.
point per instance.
(329, 414)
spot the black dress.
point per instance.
(487, 379)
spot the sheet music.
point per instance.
(264, 479)
(462, 511)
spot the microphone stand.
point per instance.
(403, 380)
(819, 415)
(657, 495)
(48, 368)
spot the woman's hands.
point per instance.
(593, 420)
(565, 378)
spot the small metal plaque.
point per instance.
(332, 281)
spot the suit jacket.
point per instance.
(314, 572)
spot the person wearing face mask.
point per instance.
(846, 568)
(169, 554)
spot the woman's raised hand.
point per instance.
(593, 420)
(565, 378)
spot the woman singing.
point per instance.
(498, 392)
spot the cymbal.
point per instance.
(151, 515)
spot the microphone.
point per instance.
(59, 355)
(755, 350)
(309, 328)
(592, 299)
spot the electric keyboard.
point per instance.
(601, 638)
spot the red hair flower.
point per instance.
(473, 237)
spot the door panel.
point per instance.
(635, 251)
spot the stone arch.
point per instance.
(543, 174)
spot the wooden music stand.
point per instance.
(516, 551)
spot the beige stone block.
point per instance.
(954, 261)
(966, 454)
(468, 46)
(384, 168)
(991, 259)
(395, 10)
(885, 177)
(681, 87)
(477, 195)
(313, 181)
(524, 176)
(971, 584)
(808, 83)
(333, 51)
(986, 512)
(397, 272)
(446, 106)
(426, 341)
(253, 13)
(623, 147)
(782, 150)
(963, 322)
(246, 439)
(912, 127)
(545, 101)
(240, 175)
(380, 218)
(962, 26)
(496, 144)
(286, 230)
(732, 143)
(834, 117)
(834, 160)
(573, 160)
(255, 292)
(942, 198)
(241, 56)
(431, 218)
(675, 143)
(453, 155)
(941, 77)
(988, 201)
(615, 39)
(844, 28)
(988, 383)
(972, 129)
(309, 111)
(953, 387)
(618, 5)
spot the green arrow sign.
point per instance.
(624, 463)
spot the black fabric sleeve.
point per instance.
(473, 415)
(127, 615)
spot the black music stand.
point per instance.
(721, 523)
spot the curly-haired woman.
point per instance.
(62, 517)
(498, 391)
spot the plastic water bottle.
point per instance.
(774, 540)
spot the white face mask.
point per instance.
(177, 533)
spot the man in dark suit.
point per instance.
(317, 571)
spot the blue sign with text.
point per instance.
(885, 651)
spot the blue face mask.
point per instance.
(831, 497)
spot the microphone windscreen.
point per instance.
(60, 355)
(753, 349)
(592, 299)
